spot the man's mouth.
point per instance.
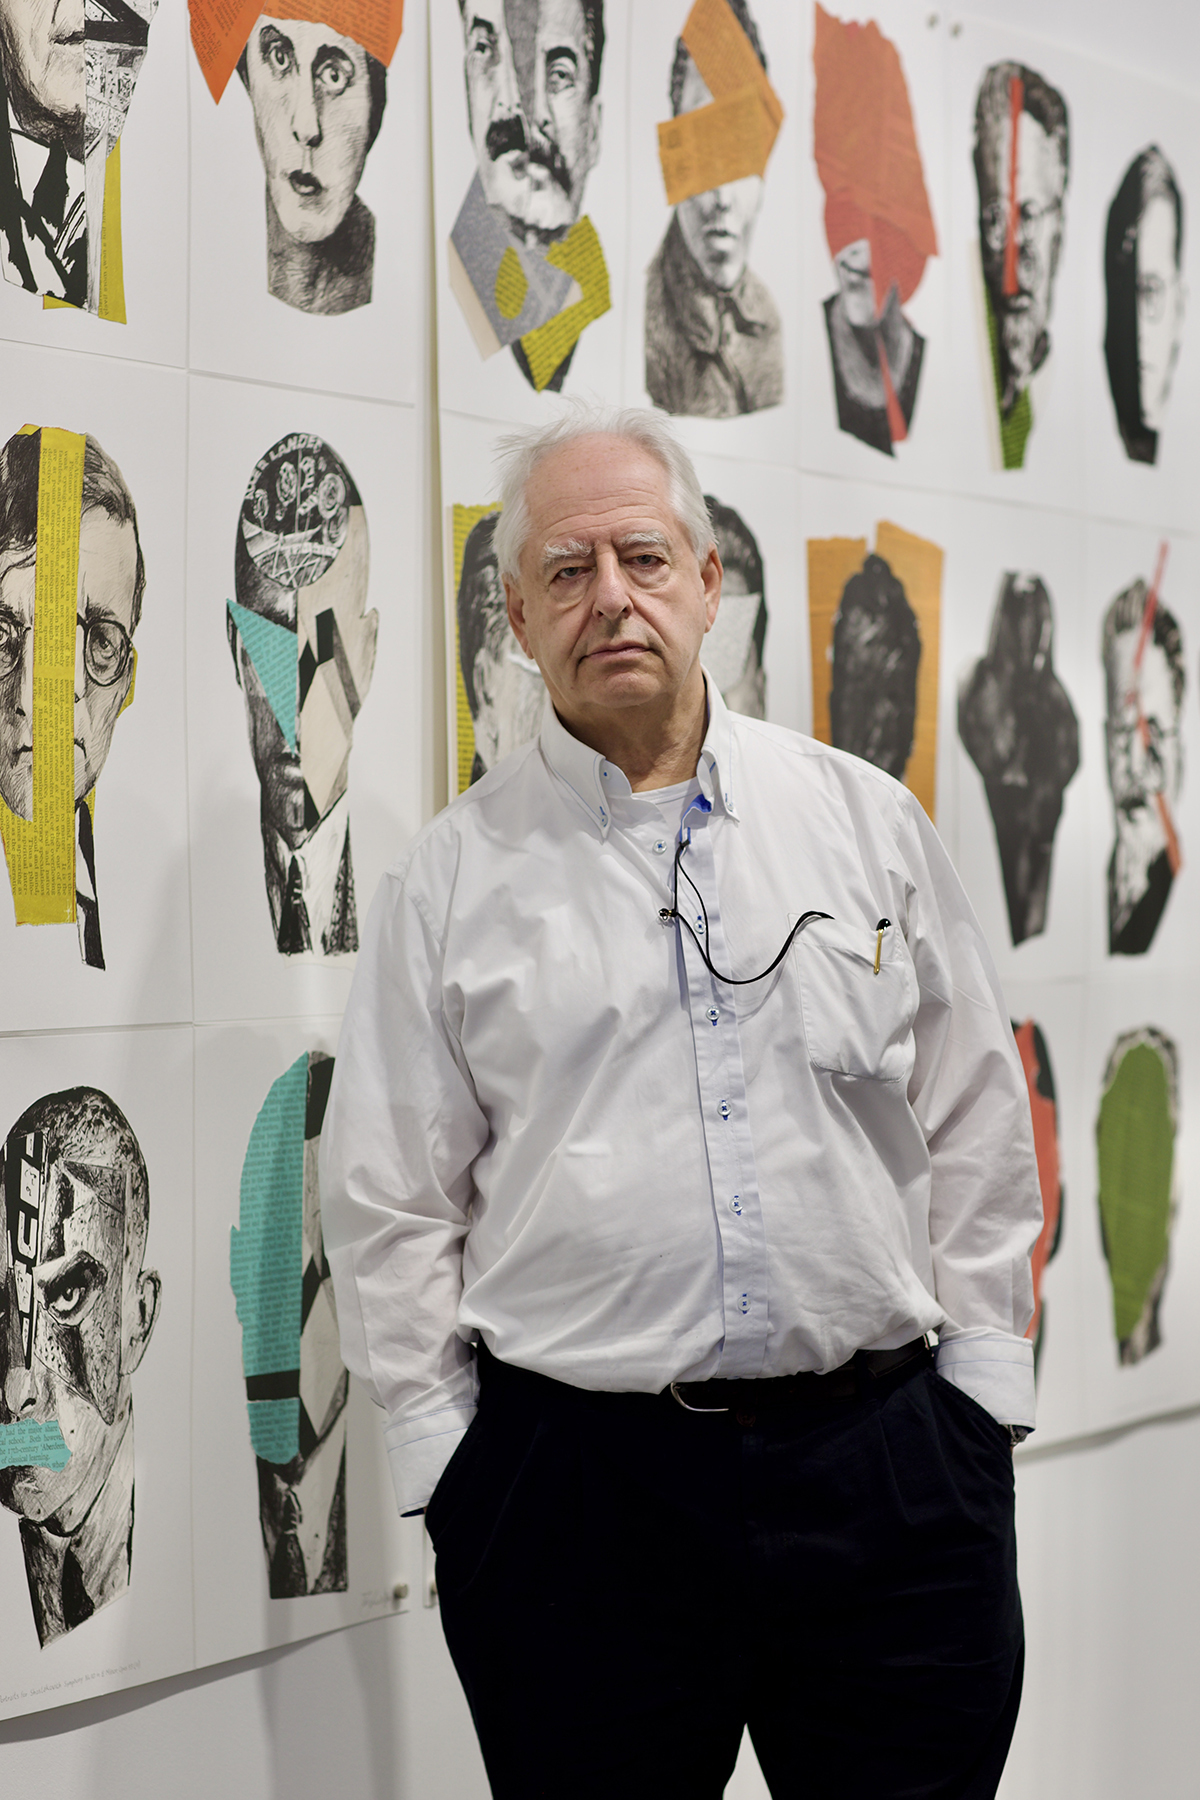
(304, 184)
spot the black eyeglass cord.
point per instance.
(667, 913)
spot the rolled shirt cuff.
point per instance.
(995, 1369)
(419, 1449)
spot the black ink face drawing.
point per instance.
(318, 100)
(876, 655)
(1022, 157)
(77, 1309)
(712, 334)
(1143, 260)
(296, 1384)
(304, 651)
(1019, 728)
(1142, 650)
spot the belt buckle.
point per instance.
(679, 1399)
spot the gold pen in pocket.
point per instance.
(880, 928)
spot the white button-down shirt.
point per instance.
(552, 1126)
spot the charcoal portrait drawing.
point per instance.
(1138, 1179)
(1143, 279)
(878, 225)
(713, 342)
(525, 262)
(504, 687)
(1019, 728)
(296, 1385)
(1142, 650)
(1022, 161)
(318, 100)
(67, 75)
(303, 652)
(876, 653)
(76, 1309)
(112, 581)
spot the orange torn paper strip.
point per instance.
(580, 255)
(1162, 804)
(41, 850)
(734, 135)
(917, 566)
(112, 262)
(867, 157)
(220, 29)
(463, 520)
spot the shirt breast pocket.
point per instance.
(856, 1021)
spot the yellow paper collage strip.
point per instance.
(41, 850)
(463, 520)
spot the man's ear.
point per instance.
(516, 613)
(711, 574)
(149, 1293)
(231, 632)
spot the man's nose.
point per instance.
(610, 597)
(19, 1391)
(306, 119)
(80, 668)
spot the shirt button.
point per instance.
(712, 1015)
(723, 1109)
(660, 845)
(699, 921)
(735, 1205)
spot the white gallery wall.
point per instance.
(200, 1007)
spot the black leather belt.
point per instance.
(867, 1372)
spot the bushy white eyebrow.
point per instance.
(578, 549)
(570, 550)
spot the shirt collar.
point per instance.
(591, 777)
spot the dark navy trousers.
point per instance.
(625, 1585)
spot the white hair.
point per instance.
(518, 455)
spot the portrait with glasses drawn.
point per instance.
(1144, 679)
(111, 582)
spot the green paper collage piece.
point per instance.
(274, 651)
(264, 1265)
(1135, 1148)
(33, 1444)
(1015, 429)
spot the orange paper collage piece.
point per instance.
(865, 146)
(220, 29)
(917, 565)
(733, 136)
(1045, 1144)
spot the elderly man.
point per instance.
(675, 1105)
(318, 100)
(76, 1312)
(1022, 159)
(112, 580)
